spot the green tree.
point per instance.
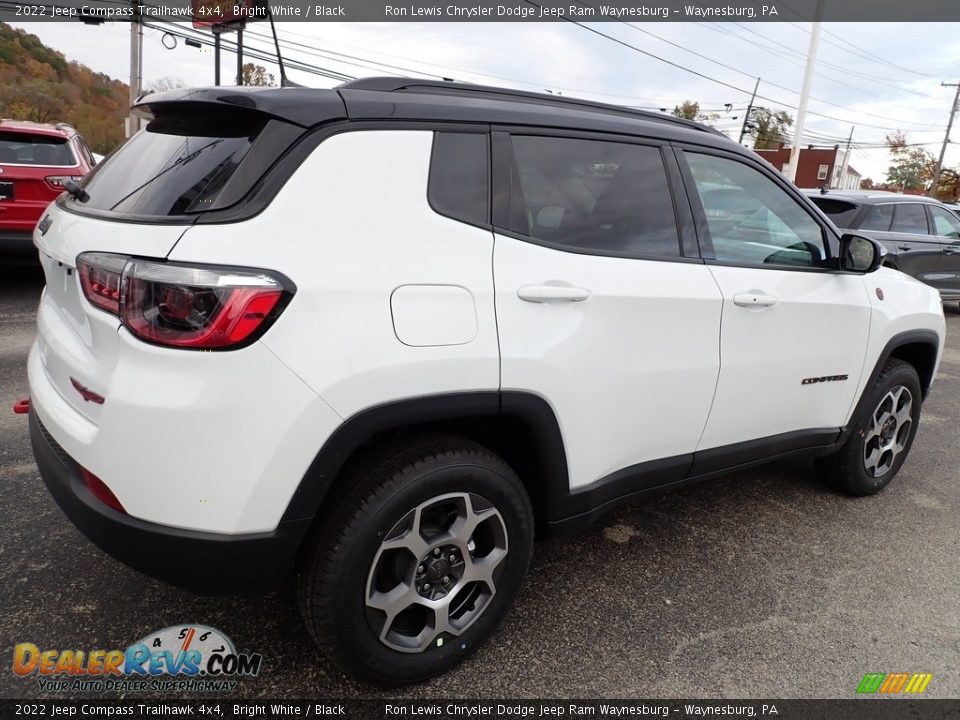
(690, 110)
(911, 167)
(768, 128)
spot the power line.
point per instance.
(703, 75)
(776, 85)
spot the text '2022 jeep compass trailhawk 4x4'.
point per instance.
(381, 335)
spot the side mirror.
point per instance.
(860, 254)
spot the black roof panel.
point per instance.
(413, 99)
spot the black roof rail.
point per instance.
(400, 84)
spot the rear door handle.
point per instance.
(949, 250)
(546, 293)
(754, 300)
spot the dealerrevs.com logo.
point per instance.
(186, 658)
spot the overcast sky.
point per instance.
(877, 77)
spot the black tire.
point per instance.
(376, 494)
(847, 469)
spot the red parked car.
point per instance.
(35, 162)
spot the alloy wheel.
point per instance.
(889, 429)
(436, 571)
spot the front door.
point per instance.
(793, 332)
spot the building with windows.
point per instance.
(816, 166)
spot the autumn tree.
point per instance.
(38, 83)
(768, 128)
(257, 75)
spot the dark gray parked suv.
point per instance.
(921, 235)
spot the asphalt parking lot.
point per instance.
(760, 584)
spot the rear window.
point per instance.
(840, 211)
(40, 150)
(177, 165)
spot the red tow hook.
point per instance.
(21, 407)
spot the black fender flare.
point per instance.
(533, 411)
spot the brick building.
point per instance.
(816, 167)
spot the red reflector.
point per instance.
(86, 393)
(21, 407)
(100, 491)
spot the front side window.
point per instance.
(945, 223)
(752, 220)
(594, 196)
(910, 218)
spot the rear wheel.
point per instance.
(418, 561)
(882, 435)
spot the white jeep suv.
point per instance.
(383, 335)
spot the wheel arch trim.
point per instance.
(900, 342)
(365, 426)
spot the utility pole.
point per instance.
(216, 55)
(805, 91)
(846, 161)
(136, 72)
(746, 118)
(946, 140)
(240, 55)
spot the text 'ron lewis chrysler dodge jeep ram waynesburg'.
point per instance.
(382, 335)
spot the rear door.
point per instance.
(919, 252)
(787, 318)
(603, 306)
(946, 226)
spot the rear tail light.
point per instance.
(100, 490)
(100, 276)
(200, 307)
(57, 181)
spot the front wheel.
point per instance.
(418, 561)
(882, 434)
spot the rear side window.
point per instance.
(840, 211)
(186, 164)
(40, 150)
(910, 218)
(878, 217)
(459, 184)
(595, 196)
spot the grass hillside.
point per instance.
(38, 83)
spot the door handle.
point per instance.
(754, 300)
(949, 251)
(546, 293)
(905, 248)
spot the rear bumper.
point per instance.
(198, 561)
(17, 248)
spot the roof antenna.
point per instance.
(284, 82)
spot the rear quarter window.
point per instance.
(39, 150)
(459, 184)
(840, 212)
